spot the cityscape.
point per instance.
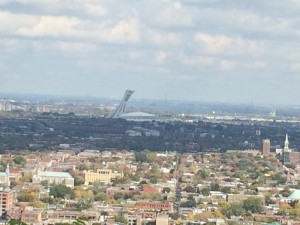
(75, 162)
(149, 112)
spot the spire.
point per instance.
(7, 169)
(7, 176)
(286, 142)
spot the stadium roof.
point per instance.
(137, 114)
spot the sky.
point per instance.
(196, 50)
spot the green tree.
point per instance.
(60, 191)
(237, 209)
(205, 191)
(45, 183)
(16, 222)
(166, 190)
(203, 174)
(253, 204)
(101, 197)
(83, 204)
(190, 203)
(214, 187)
(231, 209)
(141, 156)
(19, 160)
(268, 199)
(225, 190)
(189, 189)
(121, 219)
(118, 195)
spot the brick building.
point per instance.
(156, 206)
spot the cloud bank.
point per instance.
(208, 50)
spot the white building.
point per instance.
(5, 177)
(53, 178)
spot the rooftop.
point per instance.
(295, 194)
(54, 174)
(3, 174)
(137, 114)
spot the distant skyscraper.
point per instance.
(122, 106)
(266, 147)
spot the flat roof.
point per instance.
(54, 174)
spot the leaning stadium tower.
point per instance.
(121, 107)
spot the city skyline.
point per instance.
(212, 51)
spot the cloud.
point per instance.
(207, 44)
(224, 45)
(161, 56)
(123, 31)
(51, 26)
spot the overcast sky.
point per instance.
(199, 50)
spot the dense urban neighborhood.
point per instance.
(139, 168)
(145, 187)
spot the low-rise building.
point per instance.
(53, 178)
(156, 206)
(102, 175)
(32, 216)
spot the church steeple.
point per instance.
(7, 171)
(286, 143)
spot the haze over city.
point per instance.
(225, 51)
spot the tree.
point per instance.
(16, 222)
(60, 191)
(45, 183)
(85, 194)
(225, 190)
(237, 209)
(140, 156)
(78, 179)
(19, 160)
(189, 189)
(284, 210)
(268, 198)
(166, 190)
(231, 209)
(205, 191)
(83, 204)
(38, 204)
(143, 182)
(28, 195)
(190, 203)
(121, 219)
(118, 195)
(204, 174)
(101, 197)
(285, 192)
(214, 187)
(253, 205)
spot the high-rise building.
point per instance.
(266, 147)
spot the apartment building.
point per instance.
(6, 200)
